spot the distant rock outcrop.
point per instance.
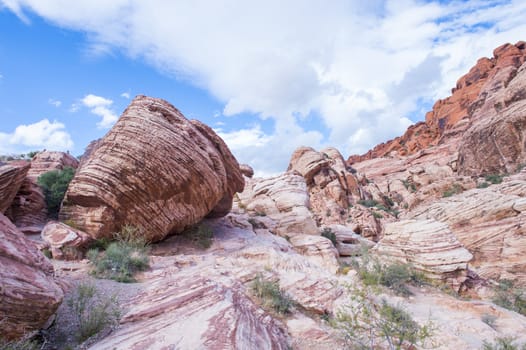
(66, 243)
(28, 210)
(474, 104)
(155, 170)
(29, 294)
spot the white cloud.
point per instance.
(362, 66)
(101, 106)
(36, 136)
(125, 95)
(54, 102)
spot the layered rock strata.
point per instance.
(155, 170)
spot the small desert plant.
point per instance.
(54, 185)
(25, 343)
(494, 178)
(455, 189)
(201, 235)
(510, 297)
(410, 186)
(377, 215)
(92, 312)
(503, 343)
(366, 324)
(328, 233)
(483, 184)
(489, 319)
(122, 258)
(272, 295)
(368, 202)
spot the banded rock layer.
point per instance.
(155, 170)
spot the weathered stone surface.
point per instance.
(11, 177)
(489, 223)
(282, 198)
(450, 117)
(46, 161)
(28, 210)
(29, 294)
(155, 170)
(317, 249)
(349, 242)
(428, 245)
(66, 243)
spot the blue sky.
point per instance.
(267, 76)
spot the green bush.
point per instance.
(455, 189)
(272, 295)
(377, 215)
(328, 233)
(54, 185)
(368, 202)
(494, 178)
(489, 320)
(510, 297)
(92, 312)
(122, 258)
(365, 324)
(483, 185)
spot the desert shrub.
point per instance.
(510, 297)
(200, 235)
(455, 189)
(483, 184)
(92, 311)
(328, 233)
(395, 276)
(54, 185)
(366, 324)
(271, 295)
(368, 202)
(410, 186)
(377, 215)
(123, 258)
(31, 154)
(494, 178)
(503, 343)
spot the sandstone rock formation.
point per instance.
(451, 117)
(246, 170)
(65, 241)
(11, 177)
(46, 161)
(284, 200)
(318, 249)
(29, 294)
(489, 223)
(155, 170)
(429, 246)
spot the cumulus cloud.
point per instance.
(125, 95)
(363, 67)
(39, 135)
(101, 106)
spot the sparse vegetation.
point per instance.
(454, 189)
(377, 215)
(366, 324)
(395, 276)
(92, 311)
(54, 185)
(328, 233)
(122, 258)
(271, 295)
(200, 235)
(368, 202)
(503, 343)
(410, 186)
(483, 184)
(510, 297)
(494, 178)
